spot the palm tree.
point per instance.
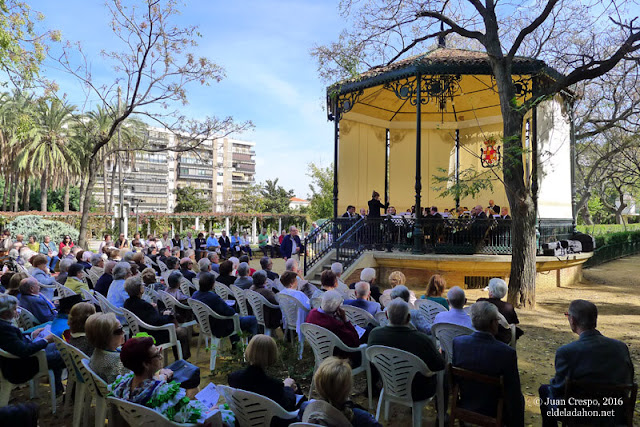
(49, 152)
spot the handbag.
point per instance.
(185, 373)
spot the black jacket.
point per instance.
(224, 242)
(255, 380)
(150, 315)
(13, 341)
(220, 328)
(374, 208)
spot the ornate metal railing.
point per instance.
(439, 235)
(320, 241)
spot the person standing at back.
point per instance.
(375, 205)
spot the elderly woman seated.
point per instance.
(13, 288)
(75, 278)
(332, 317)
(272, 316)
(150, 385)
(77, 320)
(497, 290)
(149, 314)
(418, 318)
(333, 382)
(435, 289)
(262, 353)
(105, 334)
(397, 278)
(40, 272)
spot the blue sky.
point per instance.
(271, 78)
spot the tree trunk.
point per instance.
(66, 197)
(43, 191)
(82, 186)
(522, 278)
(86, 202)
(586, 216)
(5, 195)
(26, 193)
(113, 183)
(12, 190)
(16, 200)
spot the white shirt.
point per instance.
(302, 314)
(294, 246)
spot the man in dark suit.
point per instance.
(592, 358)
(291, 244)
(350, 213)
(222, 328)
(480, 352)
(399, 334)
(13, 341)
(478, 213)
(225, 243)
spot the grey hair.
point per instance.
(398, 312)
(96, 258)
(128, 257)
(337, 268)
(121, 270)
(7, 302)
(259, 278)
(584, 313)
(456, 297)
(401, 291)
(235, 261)
(331, 301)
(189, 252)
(362, 289)
(204, 264)
(498, 288)
(243, 269)
(368, 274)
(288, 266)
(482, 314)
(65, 264)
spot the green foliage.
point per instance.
(607, 229)
(321, 191)
(276, 198)
(470, 183)
(251, 199)
(31, 225)
(188, 200)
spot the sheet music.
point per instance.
(209, 395)
(360, 330)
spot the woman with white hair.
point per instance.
(369, 275)
(418, 318)
(497, 290)
(332, 317)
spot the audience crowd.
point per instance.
(131, 276)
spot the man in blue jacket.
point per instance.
(592, 358)
(291, 246)
(222, 328)
(37, 304)
(482, 353)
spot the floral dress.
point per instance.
(166, 398)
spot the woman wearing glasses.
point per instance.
(105, 333)
(150, 385)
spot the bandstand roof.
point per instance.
(476, 96)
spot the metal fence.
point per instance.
(613, 251)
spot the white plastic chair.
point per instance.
(63, 291)
(136, 325)
(26, 320)
(323, 342)
(446, 332)
(141, 416)
(222, 290)
(43, 372)
(257, 303)
(397, 369)
(98, 389)
(47, 294)
(186, 286)
(316, 302)
(93, 277)
(290, 307)
(382, 318)
(107, 307)
(358, 316)
(171, 303)
(252, 409)
(238, 294)
(384, 300)
(88, 295)
(162, 265)
(196, 282)
(278, 284)
(430, 309)
(351, 294)
(74, 381)
(203, 312)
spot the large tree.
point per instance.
(154, 66)
(321, 187)
(386, 30)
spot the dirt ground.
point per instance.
(614, 287)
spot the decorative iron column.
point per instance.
(417, 229)
(457, 169)
(572, 142)
(336, 143)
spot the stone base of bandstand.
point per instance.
(466, 271)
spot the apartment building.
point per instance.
(220, 169)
